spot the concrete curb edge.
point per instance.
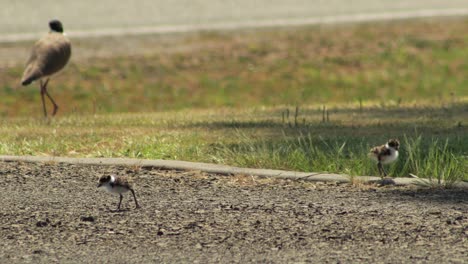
(218, 169)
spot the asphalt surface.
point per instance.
(52, 212)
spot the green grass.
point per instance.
(223, 98)
(436, 161)
(434, 139)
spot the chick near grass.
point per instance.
(385, 154)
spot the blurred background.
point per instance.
(25, 16)
(232, 53)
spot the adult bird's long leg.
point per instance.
(134, 197)
(50, 98)
(42, 96)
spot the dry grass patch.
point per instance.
(303, 65)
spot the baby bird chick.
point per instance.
(118, 185)
(385, 154)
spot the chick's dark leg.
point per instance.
(134, 197)
(381, 170)
(120, 202)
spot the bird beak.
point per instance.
(99, 185)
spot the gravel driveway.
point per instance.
(54, 213)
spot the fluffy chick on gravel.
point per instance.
(118, 185)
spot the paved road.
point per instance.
(54, 213)
(25, 20)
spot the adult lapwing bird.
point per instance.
(48, 56)
(385, 154)
(118, 185)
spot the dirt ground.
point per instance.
(55, 213)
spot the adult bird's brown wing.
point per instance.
(48, 56)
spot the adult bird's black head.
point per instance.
(56, 26)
